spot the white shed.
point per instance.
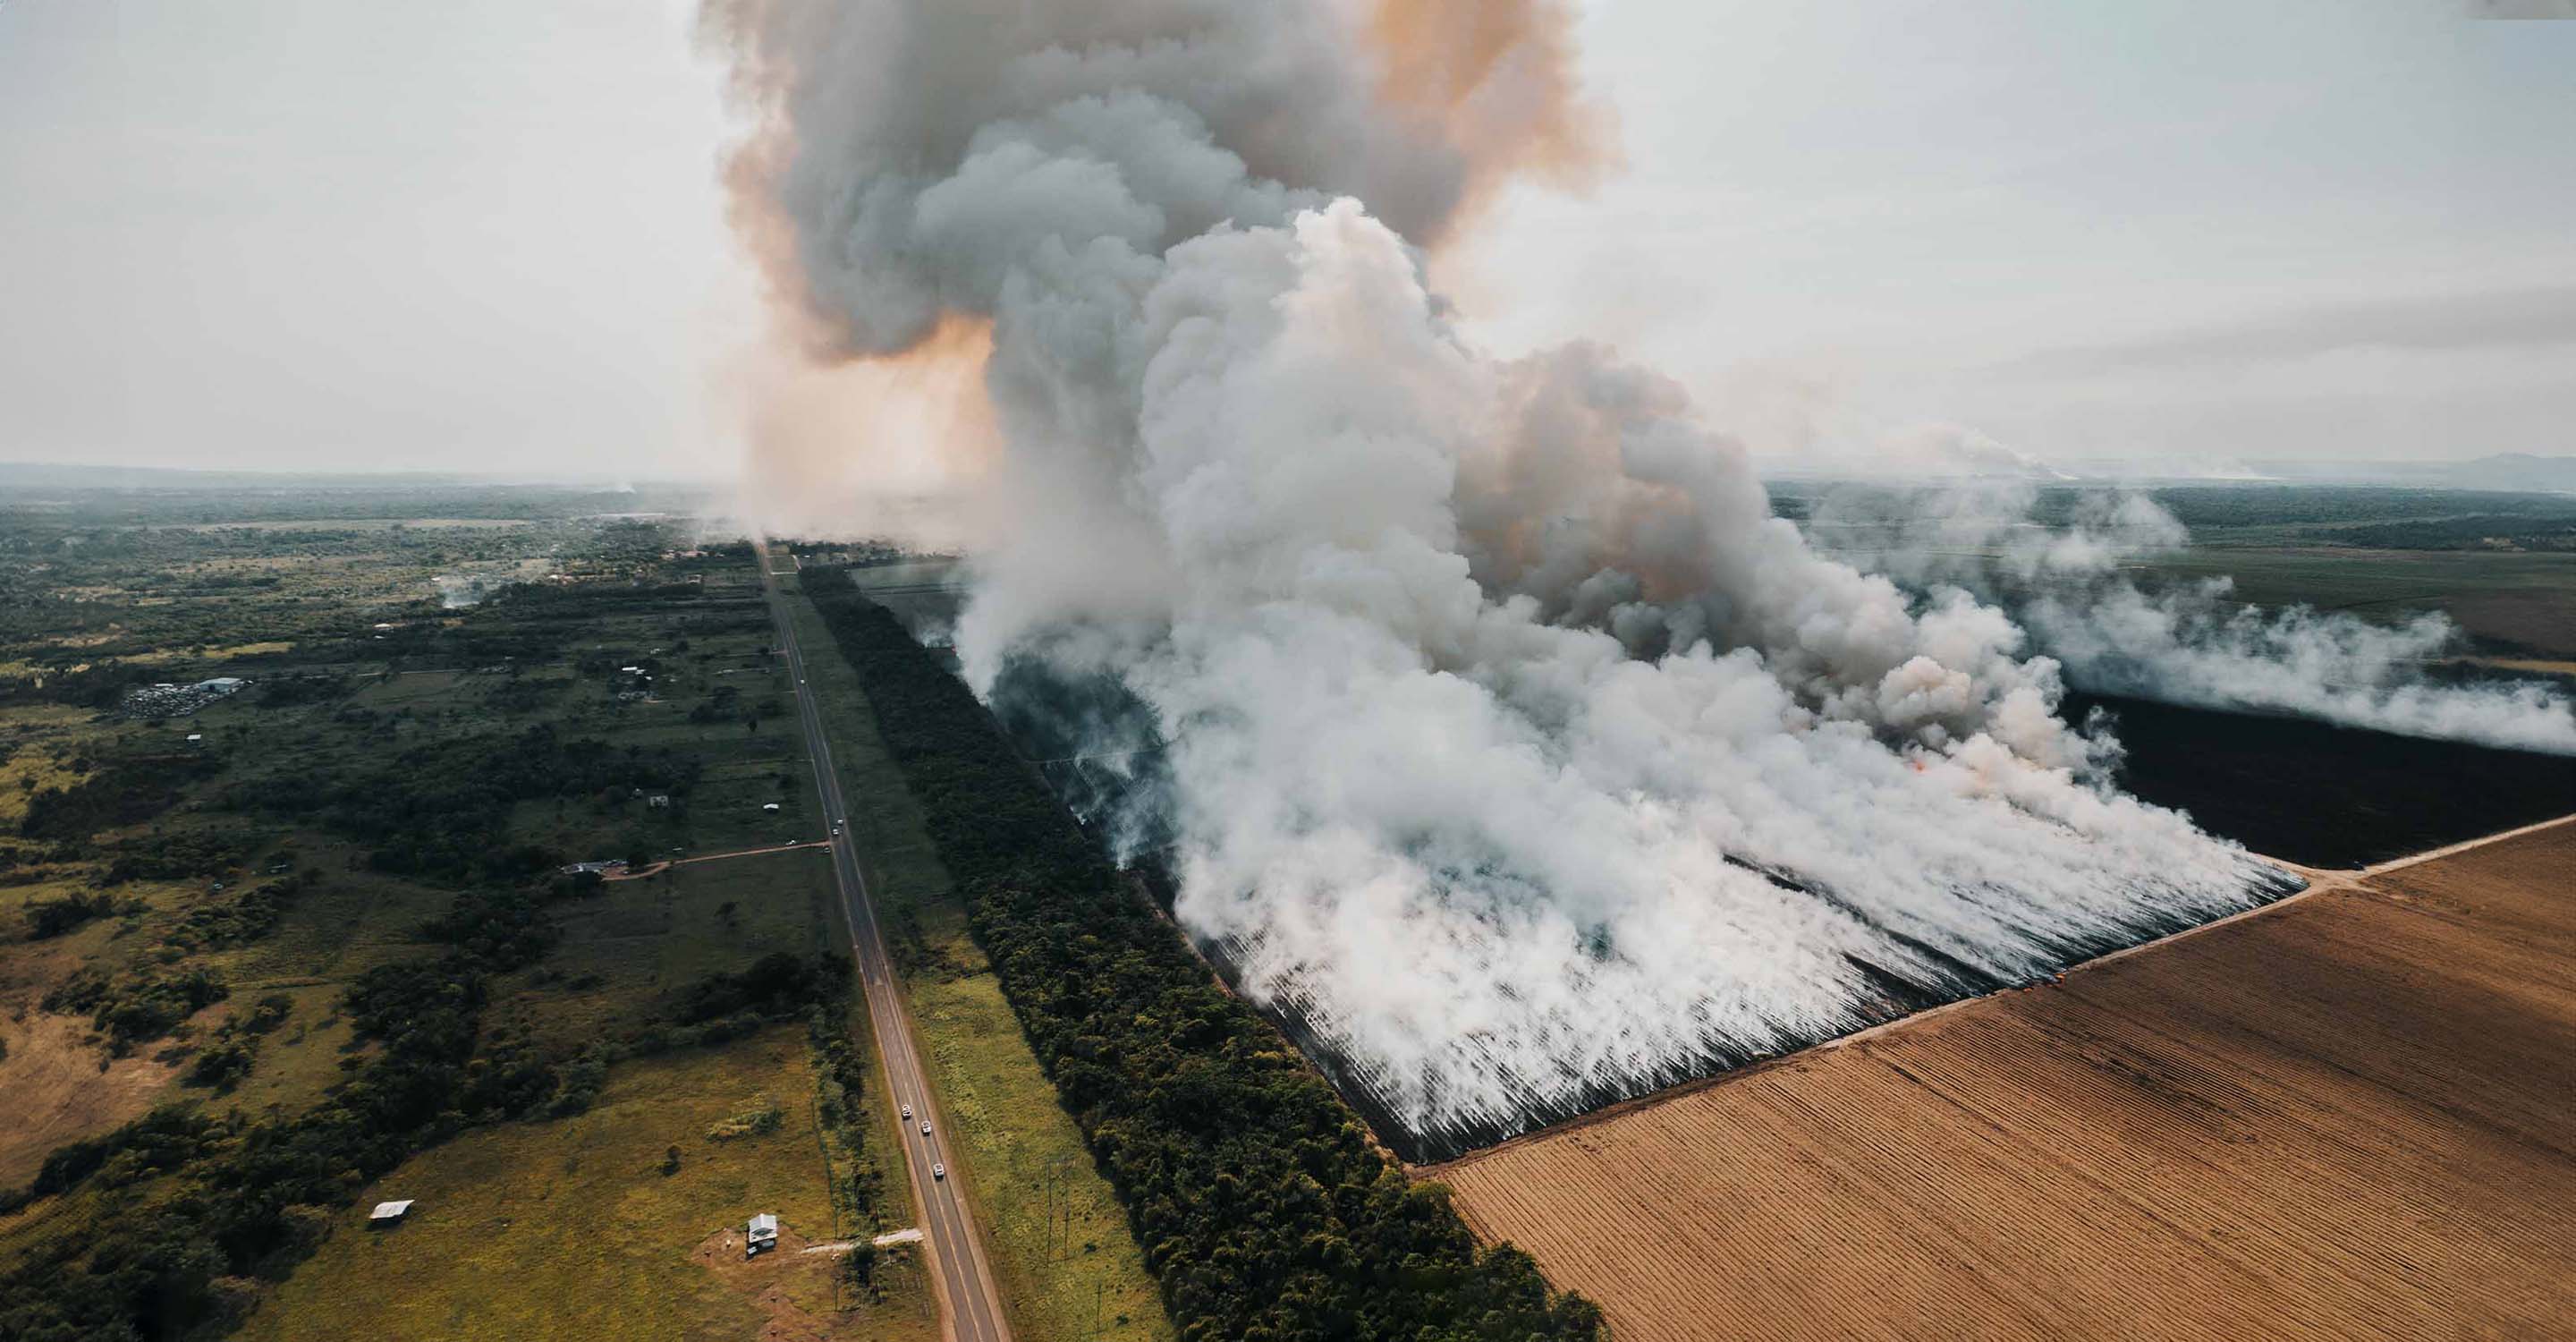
(760, 1234)
(389, 1213)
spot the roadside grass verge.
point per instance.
(1026, 1170)
(1075, 1271)
(570, 1229)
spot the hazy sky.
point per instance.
(485, 233)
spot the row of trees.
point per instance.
(1262, 1207)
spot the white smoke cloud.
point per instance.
(1517, 750)
(2187, 643)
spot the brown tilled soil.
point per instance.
(2352, 1114)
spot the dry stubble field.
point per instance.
(2345, 1116)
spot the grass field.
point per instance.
(60, 1089)
(2342, 1116)
(2526, 600)
(59, 1084)
(1075, 1270)
(26, 770)
(628, 947)
(1066, 1263)
(569, 1229)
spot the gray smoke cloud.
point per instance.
(1516, 748)
(2190, 643)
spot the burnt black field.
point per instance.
(2322, 795)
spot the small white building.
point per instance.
(760, 1234)
(389, 1214)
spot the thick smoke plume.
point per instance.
(1517, 753)
(2188, 643)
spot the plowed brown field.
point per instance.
(2349, 1115)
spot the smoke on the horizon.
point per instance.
(1516, 749)
(2071, 587)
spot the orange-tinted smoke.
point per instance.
(891, 445)
(1498, 77)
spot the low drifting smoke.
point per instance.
(2068, 583)
(1517, 753)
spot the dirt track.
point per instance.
(2348, 1115)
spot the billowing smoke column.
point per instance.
(1518, 755)
(2186, 643)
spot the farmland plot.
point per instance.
(2344, 1115)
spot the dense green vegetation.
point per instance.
(1262, 1207)
(442, 808)
(123, 792)
(137, 1007)
(2474, 531)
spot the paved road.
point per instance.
(974, 1312)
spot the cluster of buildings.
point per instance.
(166, 700)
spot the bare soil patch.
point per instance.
(774, 1282)
(2344, 1116)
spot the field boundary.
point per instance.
(2320, 881)
(2432, 854)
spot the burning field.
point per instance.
(1514, 752)
(2341, 1116)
